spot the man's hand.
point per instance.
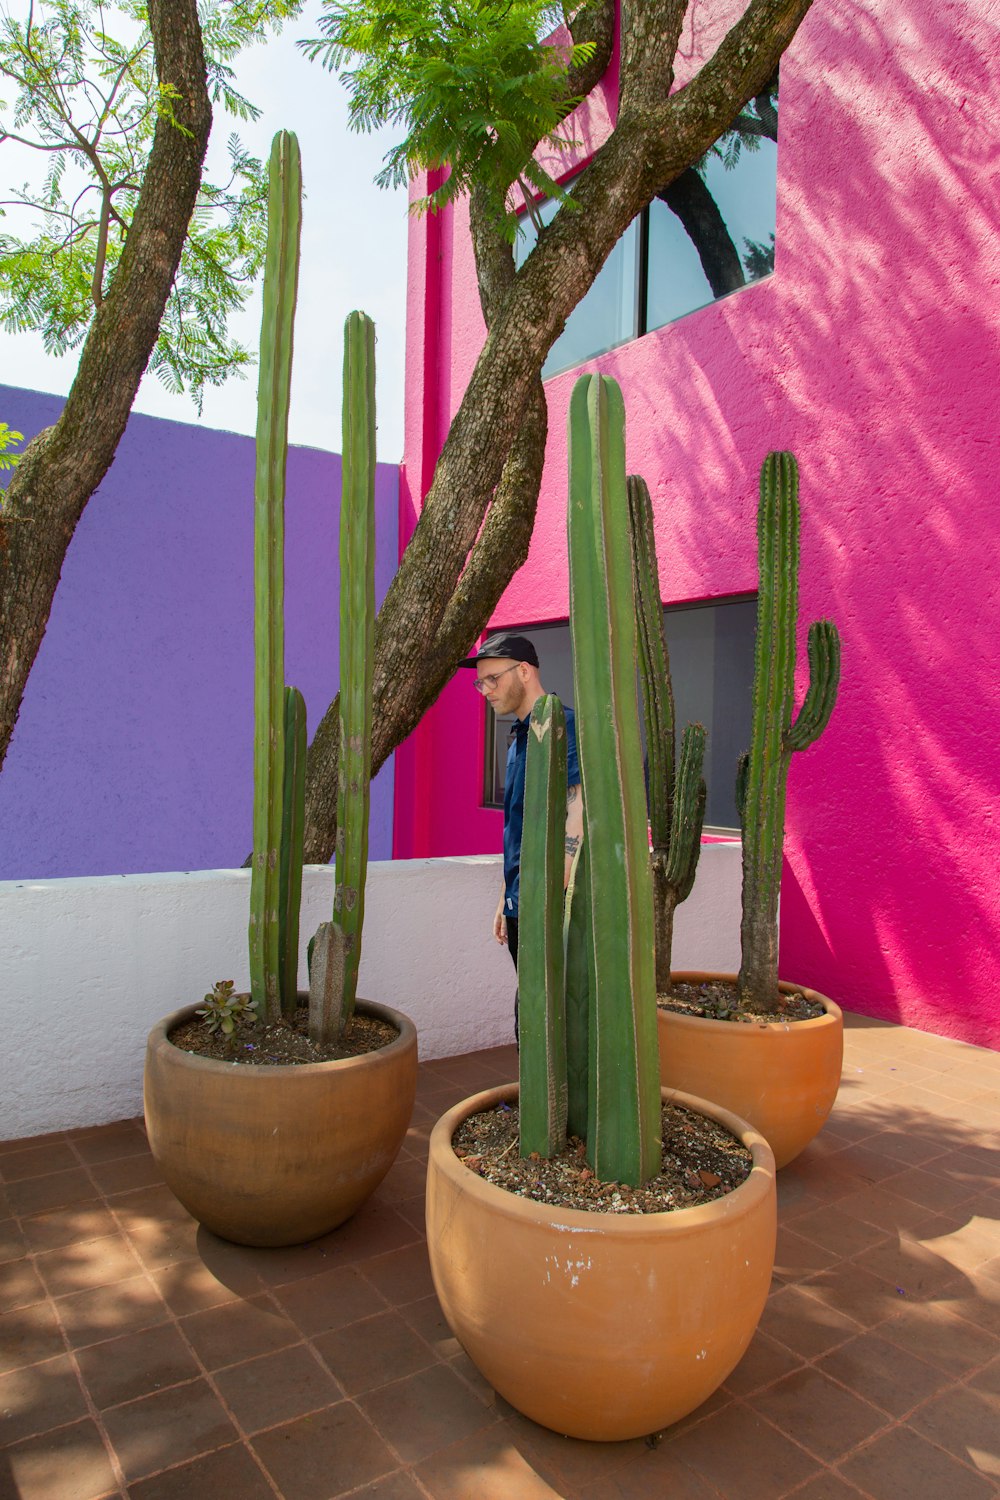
(500, 923)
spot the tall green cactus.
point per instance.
(337, 950)
(623, 1141)
(541, 967)
(280, 285)
(676, 787)
(293, 822)
(763, 777)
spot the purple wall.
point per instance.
(133, 751)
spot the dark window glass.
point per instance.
(711, 665)
(710, 233)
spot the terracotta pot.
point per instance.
(277, 1156)
(782, 1076)
(602, 1326)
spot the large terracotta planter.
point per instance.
(277, 1155)
(782, 1076)
(602, 1326)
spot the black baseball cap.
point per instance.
(517, 647)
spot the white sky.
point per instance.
(353, 256)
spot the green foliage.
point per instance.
(471, 82)
(222, 1009)
(90, 102)
(9, 439)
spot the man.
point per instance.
(506, 667)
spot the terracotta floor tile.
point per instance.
(884, 1209)
(331, 1300)
(425, 1412)
(277, 1387)
(398, 1486)
(463, 1367)
(23, 1143)
(228, 1474)
(36, 1161)
(907, 1149)
(37, 1397)
(28, 1335)
(33, 1195)
(69, 1226)
(804, 1323)
(966, 1243)
(987, 1379)
(822, 1416)
(371, 1352)
(237, 1331)
(126, 1173)
(188, 1286)
(402, 1276)
(107, 1312)
(281, 1266)
(321, 1456)
(796, 1258)
(744, 1457)
(57, 1465)
(20, 1285)
(884, 1374)
(12, 1241)
(936, 1334)
(902, 1463)
(932, 1190)
(826, 1486)
(148, 1206)
(966, 1422)
(160, 1244)
(136, 1365)
(167, 1428)
(839, 1232)
(906, 1262)
(110, 1142)
(867, 1164)
(429, 1321)
(486, 1464)
(764, 1362)
(87, 1264)
(657, 1472)
(375, 1229)
(405, 1180)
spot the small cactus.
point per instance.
(762, 775)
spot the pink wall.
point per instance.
(872, 353)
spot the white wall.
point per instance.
(87, 966)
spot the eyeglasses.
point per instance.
(487, 684)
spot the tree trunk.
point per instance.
(62, 467)
(689, 198)
(442, 598)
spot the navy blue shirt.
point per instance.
(513, 800)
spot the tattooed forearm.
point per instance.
(572, 843)
(571, 795)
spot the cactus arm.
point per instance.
(292, 833)
(280, 285)
(540, 955)
(654, 662)
(624, 1111)
(576, 939)
(824, 677)
(689, 812)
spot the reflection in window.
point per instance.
(708, 234)
(711, 666)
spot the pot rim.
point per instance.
(677, 1222)
(834, 1015)
(158, 1039)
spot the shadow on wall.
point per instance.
(134, 748)
(872, 354)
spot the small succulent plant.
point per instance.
(222, 1009)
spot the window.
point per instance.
(711, 664)
(708, 234)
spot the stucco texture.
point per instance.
(872, 354)
(133, 751)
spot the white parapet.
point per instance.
(88, 966)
